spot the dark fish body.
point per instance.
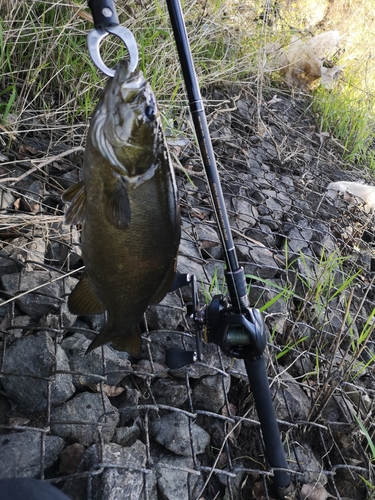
(128, 203)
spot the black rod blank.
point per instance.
(205, 146)
(256, 369)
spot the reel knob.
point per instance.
(177, 358)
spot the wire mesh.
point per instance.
(309, 265)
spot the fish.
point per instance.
(127, 202)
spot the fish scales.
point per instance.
(128, 203)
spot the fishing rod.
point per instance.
(234, 326)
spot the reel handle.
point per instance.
(177, 358)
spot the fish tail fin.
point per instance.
(123, 339)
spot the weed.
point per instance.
(368, 438)
(215, 287)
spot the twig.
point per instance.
(42, 163)
(41, 286)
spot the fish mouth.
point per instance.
(130, 83)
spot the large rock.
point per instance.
(48, 290)
(85, 418)
(21, 453)
(174, 432)
(30, 365)
(92, 368)
(169, 392)
(167, 314)
(289, 400)
(174, 483)
(209, 393)
(122, 478)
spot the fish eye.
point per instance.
(150, 112)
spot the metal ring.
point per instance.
(94, 39)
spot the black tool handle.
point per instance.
(104, 13)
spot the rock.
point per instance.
(245, 109)
(191, 266)
(167, 314)
(209, 393)
(92, 366)
(115, 483)
(127, 404)
(33, 360)
(64, 246)
(6, 198)
(300, 236)
(308, 464)
(323, 243)
(46, 299)
(17, 328)
(172, 431)
(83, 417)
(209, 242)
(169, 392)
(289, 400)
(314, 492)
(263, 234)
(70, 458)
(28, 250)
(174, 484)
(245, 214)
(8, 264)
(21, 453)
(32, 194)
(127, 436)
(258, 261)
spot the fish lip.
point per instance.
(128, 80)
(135, 81)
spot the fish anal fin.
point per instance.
(83, 299)
(117, 206)
(77, 197)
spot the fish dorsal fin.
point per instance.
(117, 206)
(77, 197)
(83, 299)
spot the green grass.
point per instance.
(58, 78)
(347, 112)
(59, 74)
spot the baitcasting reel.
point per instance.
(240, 334)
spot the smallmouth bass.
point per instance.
(127, 201)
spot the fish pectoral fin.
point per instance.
(121, 339)
(76, 195)
(117, 206)
(83, 299)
